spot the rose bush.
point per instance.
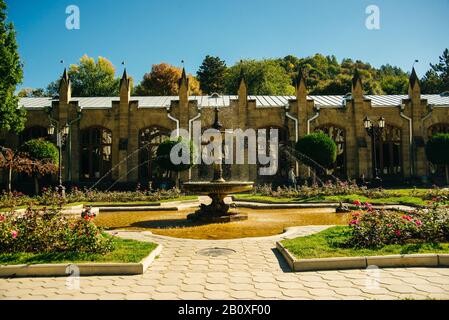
(376, 228)
(45, 231)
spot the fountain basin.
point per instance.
(218, 210)
(227, 187)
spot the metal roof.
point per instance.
(386, 101)
(95, 102)
(30, 103)
(324, 101)
(154, 102)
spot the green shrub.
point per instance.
(163, 160)
(39, 149)
(318, 147)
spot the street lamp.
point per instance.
(374, 131)
(61, 138)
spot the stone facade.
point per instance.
(104, 139)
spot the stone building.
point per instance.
(115, 138)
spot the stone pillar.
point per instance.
(418, 110)
(122, 141)
(242, 171)
(62, 115)
(359, 151)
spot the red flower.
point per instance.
(418, 223)
(408, 218)
(357, 203)
(357, 214)
(398, 233)
(14, 234)
(2, 218)
(389, 225)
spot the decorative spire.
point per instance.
(242, 75)
(217, 125)
(413, 78)
(125, 78)
(357, 78)
(300, 77)
(65, 80)
(183, 77)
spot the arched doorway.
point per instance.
(284, 161)
(149, 140)
(389, 152)
(339, 136)
(96, 153)
(437, 172)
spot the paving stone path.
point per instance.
(251, 270)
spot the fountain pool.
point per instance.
(260, 223)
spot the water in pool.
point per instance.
(260, 223)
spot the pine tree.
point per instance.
(211, 75)
(12, 118)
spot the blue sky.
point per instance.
(145, 32)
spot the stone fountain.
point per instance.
(217, 189)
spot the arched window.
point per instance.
(96, 153)
(149, 140)
(389, 151)
(284, 161)
(339, 136)
(34, 132)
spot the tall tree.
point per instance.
(436, 79)
(12, 118)
(264, 77)
(211, 75)
(90, 78)
(163, 81)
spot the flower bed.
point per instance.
(378, 232)
(51, 197)
(45, 231)
(377, 228)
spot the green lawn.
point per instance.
(403, 199)
(126, 251)
(330, 243)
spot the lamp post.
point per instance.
(61, 138)
(374, 131)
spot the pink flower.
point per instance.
(418, 223)
(397, 233)
(354, 222)
(389, 225)
(408, 218)
(366, 204)
(14, 234)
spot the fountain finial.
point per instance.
(217, 125)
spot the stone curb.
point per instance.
(85, 269)
(261, 204)
(344, 263)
